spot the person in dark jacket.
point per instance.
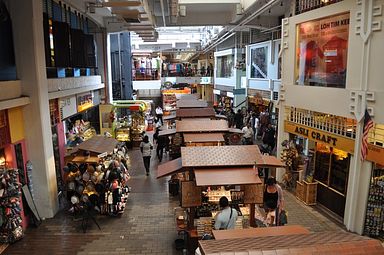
(239, 119)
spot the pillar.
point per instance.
(27, 22)
(358, 188)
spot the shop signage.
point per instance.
(190, 194)
(205, 80)
(84, 101)
(375, 154)
(239, 91)
(67, 107)
(333, 140)
(216, 92)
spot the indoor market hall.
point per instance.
(215, 127)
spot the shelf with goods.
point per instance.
(11, 228)
(169, 103)
(374, 219)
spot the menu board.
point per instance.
(322, 48)
(190, 194)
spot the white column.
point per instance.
(358, 187)
(281, 136)
(27, 20)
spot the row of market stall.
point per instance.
(209, 162)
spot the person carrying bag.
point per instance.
(226, 218)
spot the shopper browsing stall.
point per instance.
(146, 148)
(159, 114)
(226, 218)
(273, 200)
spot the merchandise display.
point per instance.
(11, 222)
(101, 186)
(374, 219)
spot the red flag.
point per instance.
(368, 124)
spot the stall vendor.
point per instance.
(226, 218)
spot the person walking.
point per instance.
(256, 126)
(273, 200)
(238, 119)
(159, 114)
(247, 134)
(161, 144)
(226, 218)
(269, 137)
(146, 148)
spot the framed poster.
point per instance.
(321, 51)
(259, 62)
(190, 194)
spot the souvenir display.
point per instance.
(374, 219)
(11, 223)
(102, 187)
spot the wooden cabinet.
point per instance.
(307, 192)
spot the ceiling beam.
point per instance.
(122, 4)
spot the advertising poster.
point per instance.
(322, 47)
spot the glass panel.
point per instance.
(224, 66)
(322, 47)
(339, 170)
(259, 62)
(322, 162)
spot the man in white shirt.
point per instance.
(226, 218)
(159, 114)
(256, 127)
(247, 134)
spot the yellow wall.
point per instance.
(16, 124)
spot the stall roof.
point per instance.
(191, 125)
(171, 131)
(191, 104)
(226, 176)
(169, 168)
(329, 242)
(235, 130)
(270, 161)
(187, 96)
(195, 112)
(169, 117)
(216, 156)
(99, 144)
(203, 137)
(257, 232)
(219, 116)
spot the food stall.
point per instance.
(210, 172)
(170, 97)
(204, 139)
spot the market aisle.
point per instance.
(146, 227)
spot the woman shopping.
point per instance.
(146, 148)
(273, 201)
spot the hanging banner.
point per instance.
(322, 49)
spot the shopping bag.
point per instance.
(283, 218)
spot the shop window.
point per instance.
(322, 163)
(322, 48)
(224, 66)
(339, 170)
(259, 62)
(332, 167)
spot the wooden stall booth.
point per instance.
(210, 172)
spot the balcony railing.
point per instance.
(144, 74)
(330, 123)
(308, 5)
(376, 135)
(187, 73)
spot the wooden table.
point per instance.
(257, 232)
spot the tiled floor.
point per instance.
(146, 227)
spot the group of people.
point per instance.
(255, 126)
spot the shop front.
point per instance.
(13, 161)
(328, 157)
(223, 98)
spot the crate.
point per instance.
(300, 190)
(310, 193)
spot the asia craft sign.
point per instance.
(375, 154)
(316, 135)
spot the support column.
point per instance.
(281, 136)
(27, 21)
(358, 188)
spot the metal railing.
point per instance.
(327, 122)
(376, 135)
(187, 73)
(143, 74)
(308, 5)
